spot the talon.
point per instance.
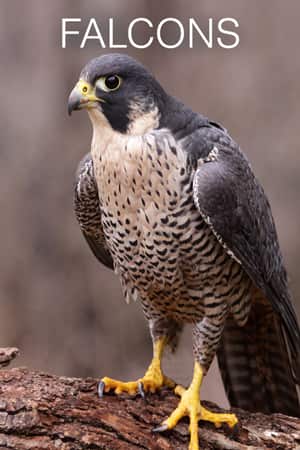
(141, 389)
(101, 387)
(160, 428)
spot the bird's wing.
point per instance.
(87, 211)
(233, 203)
(255, 364)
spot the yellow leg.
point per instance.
(189, 405)
(153, 379)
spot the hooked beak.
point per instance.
(82, 96)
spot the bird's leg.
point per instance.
(189, 405)
(206, 336)
(153, 379)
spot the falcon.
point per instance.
(167, 200)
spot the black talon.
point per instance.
(160, 428)
(141, 389)
(101, 387)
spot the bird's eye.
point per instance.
(112, 82)
(109, 83)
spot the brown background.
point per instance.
(58, 304)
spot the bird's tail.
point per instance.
(255, 364)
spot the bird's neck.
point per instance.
(180, 119)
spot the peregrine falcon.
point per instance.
(167, 199)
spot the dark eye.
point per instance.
(112, 82)
(109, 83)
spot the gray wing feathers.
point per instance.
(233, 203)
(87, 211)
(255, 365)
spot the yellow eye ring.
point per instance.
(109, 83)
(84, 89)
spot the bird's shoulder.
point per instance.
(207, 135)
(196, 133)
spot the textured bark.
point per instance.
(41, 411)
(7, 355)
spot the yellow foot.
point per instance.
(151, 382)
(189, 405)
(153, 379)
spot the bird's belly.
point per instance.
(171, 261)
(146, 241)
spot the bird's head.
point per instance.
(119, 92)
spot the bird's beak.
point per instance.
(82, 96)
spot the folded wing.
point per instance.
(87, 211)
(233, 204)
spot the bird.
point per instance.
(168, 200)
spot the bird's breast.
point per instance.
(142, 183)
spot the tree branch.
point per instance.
(40, 411)
(7, 355)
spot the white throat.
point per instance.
(103, 134)
(112, 150)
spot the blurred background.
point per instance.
(58, 305)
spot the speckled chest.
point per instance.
(142, 182)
